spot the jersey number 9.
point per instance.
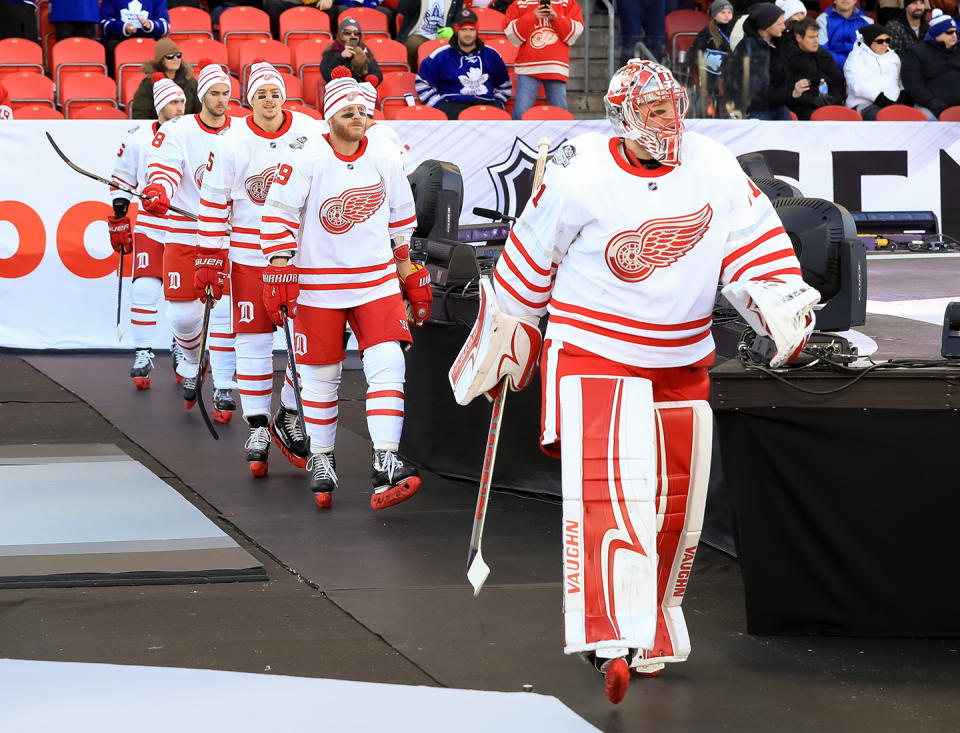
(283, 174)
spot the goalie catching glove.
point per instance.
(498, 346)
(780, 309)
(281, 288)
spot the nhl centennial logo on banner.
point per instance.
(513, 178)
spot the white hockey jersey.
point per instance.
(626, 261)
(131, 170)
(179, 158)
(235, 188)
(338, 214)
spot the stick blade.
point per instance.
(119, 333)
(477, 572)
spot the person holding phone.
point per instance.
(348, 49)
(544, 30)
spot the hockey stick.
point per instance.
(113, 184)
(293, 373)
(201, 363)
(119, 295)
(477, 569)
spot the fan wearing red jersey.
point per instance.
(340, 204)
(623, 246)
(146, 239)
(231, 202)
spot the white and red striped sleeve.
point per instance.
(757, 247)
(538, 242)
(283, 210)
(125, 167)
(215, 199)
(403, 211)
(166, 160)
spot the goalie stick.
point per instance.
(293, 373)
(202, 363)
(477, 569)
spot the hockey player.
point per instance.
(233, 194)
(180, 156)
(623, 245)
(341, 204)
(148, 234)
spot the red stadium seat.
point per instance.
(241, 24)
(378, 115)
(98, 112)
(28, 88)
(428, 48)
(546, 112)
(483, 112)
(86, 89)
(793, 115)
(682, 28)
(390, 55)
(373, 22)
(836, 113)
(128, 57)
(235, 110)
(19, 54)
(196, 50)
(301, 24)
(419, 112)
(187, 22)
(236, 94)
(46, 29)
(306, 59)
(130, 85)
(950, 114)
(507, 51)
(36, 112)
(267, 50)
(900, 113)
(292, 85)
(490, 23)
(76, 56)
(309, 111)
(824, 4)
(391, 94)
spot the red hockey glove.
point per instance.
(416, 286)
(281, 287)
(210, 271)
(120, 238)
(156, 201)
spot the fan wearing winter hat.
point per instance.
(168, 60)
(839, 25)
(930, 70)
(793, 10)
(872, 72)
(712, 44)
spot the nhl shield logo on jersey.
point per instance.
(633, 255)
(338, 214)
(258, 185)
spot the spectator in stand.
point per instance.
(348, 49)
(18, 19)
(838, 28)
(642, 20)
(793, 10)
(167, 59)
(75, 18)
(815, 77)
(765, 94)
(872, 72)
(908, 27)
(930, 70)
(123, 19)
(544, 30)
(423, 21)
(713, 42)
(465, 73)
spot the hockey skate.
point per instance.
(289, 438)
(142, 366)
(258, 445)
(176, 356)
(190, 389)
(645, 663)
(323, 477)
(223, 405)
(392, 481)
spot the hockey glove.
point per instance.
(120, 238)
(281, 287)
(416, 286)
(210, 272)
(156, 201)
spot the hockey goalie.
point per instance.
(622, 246)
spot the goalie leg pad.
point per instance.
(609, 515)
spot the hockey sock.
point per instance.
(145, 295)
(255, 372)
(319, 391)
(287, 398)
(384, 368)
(186, 318)
(223, 359)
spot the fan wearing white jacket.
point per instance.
(872, 72)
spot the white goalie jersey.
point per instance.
(179, 158)
(235, 188)
(338, 214)
(626, 261)
(130, 169)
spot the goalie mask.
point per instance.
(646, 104)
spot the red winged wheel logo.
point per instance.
(259, 185)
(353, 206)
(633, 256)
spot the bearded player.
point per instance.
(234, 191)
(623, 245)
(180, 156)
(148, 234)
(341, 203)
